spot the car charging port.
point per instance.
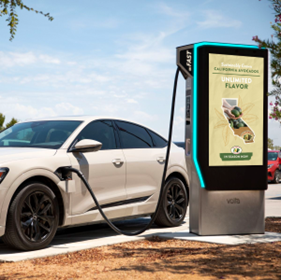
(64, 173)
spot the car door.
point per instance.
(104, 169)
(144, 160)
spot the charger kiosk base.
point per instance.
(227, 164)
(220, 212)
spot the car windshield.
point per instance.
(40, 134)
(272, 156)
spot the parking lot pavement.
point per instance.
(86, 237)
(273, 200)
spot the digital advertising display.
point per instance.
(227, 103)
(226, 133)
(236, 93)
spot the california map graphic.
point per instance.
(237, 126)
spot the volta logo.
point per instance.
(236, 150)
(233, 201)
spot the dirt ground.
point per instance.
(158, 259)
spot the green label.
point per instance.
(230, 156)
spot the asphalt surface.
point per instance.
(273, 200)
(84, 237)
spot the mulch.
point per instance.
(156, 258)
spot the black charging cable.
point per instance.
(82, 177)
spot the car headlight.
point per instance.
(269, 166)
(3, 173)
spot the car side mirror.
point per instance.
(87, 145)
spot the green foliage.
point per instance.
(8, 9)
(277, 148)
(270, 143)
(9, 124)
(274, 46)
(2, 120)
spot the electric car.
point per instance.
(273, 166)
(122, 161)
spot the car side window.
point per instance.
(158, 141)
(133, 136)
(102, 131)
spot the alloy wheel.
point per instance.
(176, 202)
(37, 216)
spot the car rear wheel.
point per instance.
(174, 204)
(276, 177)
(32, 219)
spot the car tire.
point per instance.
(276, 177)
(174, 204)
(32, 218)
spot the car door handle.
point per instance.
(117, 161)
(161, 160)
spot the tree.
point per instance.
(2, 120)
(274, 47)
(9, 124)
(8, 8)
(270, 143)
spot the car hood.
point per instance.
(271, 162)
(16, 154)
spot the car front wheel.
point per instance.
(174, 204)
(276, 177)
(33, 218)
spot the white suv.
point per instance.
(125, 175)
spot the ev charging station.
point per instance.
(226, 136)
(225, 139)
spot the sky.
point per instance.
(116, 58)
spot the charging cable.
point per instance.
(82, 177)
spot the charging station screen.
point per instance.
(236, 89)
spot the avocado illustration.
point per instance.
(247, 137)
(241, 124)
(235, 113)
(238, 109)
(231, 123)
(235, 123)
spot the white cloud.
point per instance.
(182, 110)
(11, 59)
(111, 109)
(105, 23)
(23, 112)
(214, 19)
(132, 101)
(48, 59)
(147, 54)
(119, 95)
(143, 117)
(169, 11)
(274, 130)
(67, 108)
(59, 79)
